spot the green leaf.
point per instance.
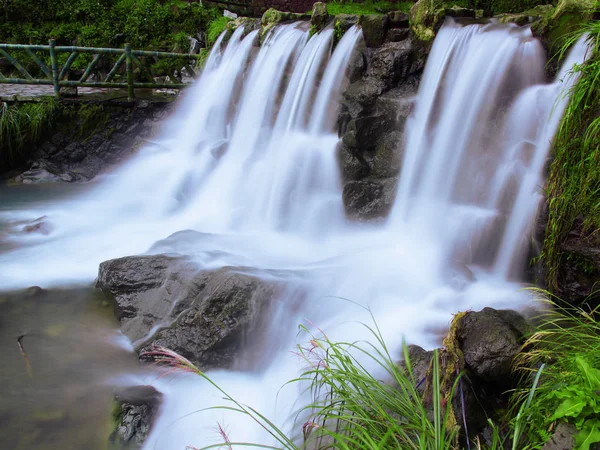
(589, 434)
(571, 407)
(591, 375)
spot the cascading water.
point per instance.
(249, 161)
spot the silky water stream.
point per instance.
(249, 160)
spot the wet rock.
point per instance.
(387, 158)
(272, 17)
(319, 16)
(366, 200)
(460, 12)
(167, 301)
(490, 339)
(40, 225)
(134, 412)
(374, 27)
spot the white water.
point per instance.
(249, 160)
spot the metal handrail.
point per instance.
(55, 74)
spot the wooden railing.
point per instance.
(55, 75)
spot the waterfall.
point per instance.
(249, 161)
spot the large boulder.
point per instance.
(490, 339)
(165, 300)
(134, 412)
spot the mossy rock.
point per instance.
(535, 15)
(319, 17)
(272, 17)
(567, 17)
(426, 17)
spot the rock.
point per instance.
(387, 158)
(230, 15)
(579, 269)
(366, 200)
(391, 62)
(167, 301)
(272, 17)
(344, 21)
(360, 97)
(420, 361)
(194, 45)
(398, 19)
(566, 18)
(563, 438)
(457, 11)
(39, 225)
(374, 27)
(490, 339)
(398, 34)
(426, 17)
(319, 17)
(135, 410)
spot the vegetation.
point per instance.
(568, 344)
(351, 409)
(368, 7)
(215, 28)
(21, 126)
(574, 183)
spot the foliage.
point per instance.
(21, 125)
(215, 28)
(367, 7)
(574, 183)
(568, 344)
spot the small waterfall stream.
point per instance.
(249, 160)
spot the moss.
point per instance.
(425, 17)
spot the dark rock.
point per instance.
(579, 269)
(398, 19)
(135, 410)
(374, 27)
(387, 158)
(167, 301)
(360, 97)
(420, 360)
(457, 11)
(391, 62)
(490, 339)
(398, 34)
(76, 152)
(357, 65)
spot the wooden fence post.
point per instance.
(54, 68)
(129, 69)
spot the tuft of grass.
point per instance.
(368, 7)
(215, 28)
(573, 190)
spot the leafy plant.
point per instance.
(568, 344)
(215, 28)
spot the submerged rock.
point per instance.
(134, 412)
(167, 301)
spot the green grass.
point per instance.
(215, 28)
(573, 190)
(368, 7)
